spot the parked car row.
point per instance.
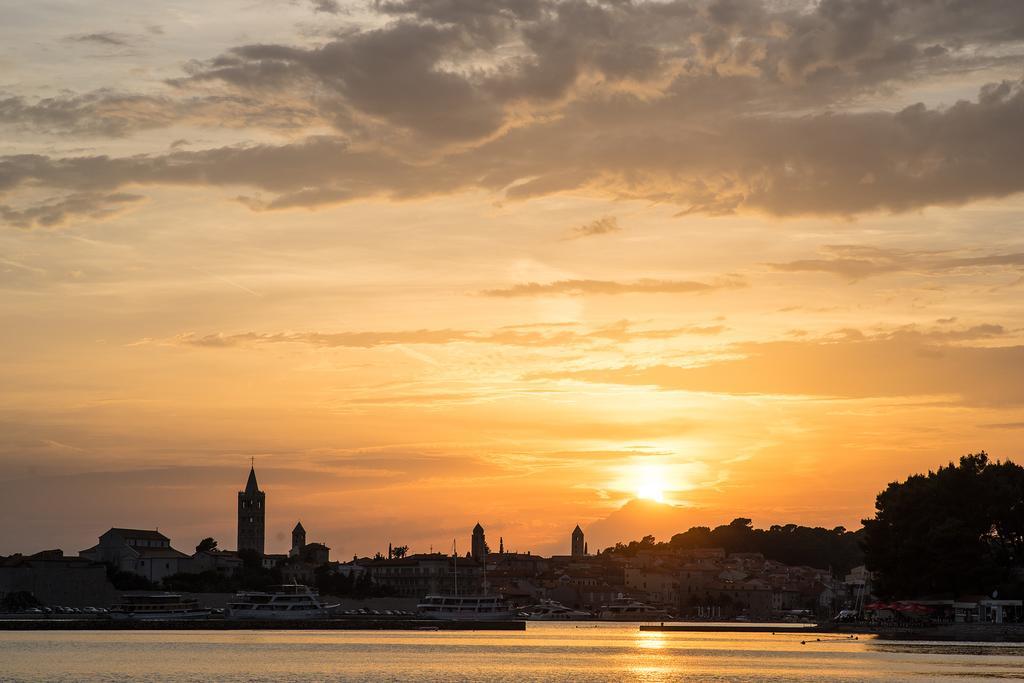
(364, 612)
(66, 610)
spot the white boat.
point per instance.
(287, 603)
(549, 610)
(465, 608)
(158, 607)
(627, 609)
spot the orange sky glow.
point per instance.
(435, 262)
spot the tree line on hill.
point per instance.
(791, 544)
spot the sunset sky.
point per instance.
(512, 261)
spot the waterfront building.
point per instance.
(356, 568)
(656, 585)
(271, 560)
(144, 552)
(579, 596)
(224, 562)
(298, 572)
(964, 610)
(53, 579)
(316, 554)
(252, 515)
(424, 574)
(516, 576)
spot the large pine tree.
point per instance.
(956, 531)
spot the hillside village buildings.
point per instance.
(699, 582)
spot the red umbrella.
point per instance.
(916, 608)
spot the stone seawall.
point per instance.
(965, 633)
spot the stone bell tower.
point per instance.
(252, 515)
(579, 545)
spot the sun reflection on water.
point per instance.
(650, 640)
(559, 653)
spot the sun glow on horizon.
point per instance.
(659, 479)
(651, 492)
(650, 483)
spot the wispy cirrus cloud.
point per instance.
(64, 210)
(611, 287)
(857, 262)
(109, 113)
(601, 226)
(359, 340)
(853, 262)
(622, 331)
(904, 362)
(110, 38)
(1004, 425)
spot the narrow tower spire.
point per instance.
(251, 514)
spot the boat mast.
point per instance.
(455, 563)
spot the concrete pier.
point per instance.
(350, 624)
(697, 627)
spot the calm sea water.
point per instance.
(545, 652)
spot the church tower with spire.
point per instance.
(252, 515)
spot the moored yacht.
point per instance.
(288, 602)
(549, 610)
(465, 608)
(158, 606)
(627, 609)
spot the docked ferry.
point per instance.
(286, 603)
(157, 607)
(627, 609)
(549, 610)
(465, 608)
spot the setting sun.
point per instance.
(650, 483)
(651, 491)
